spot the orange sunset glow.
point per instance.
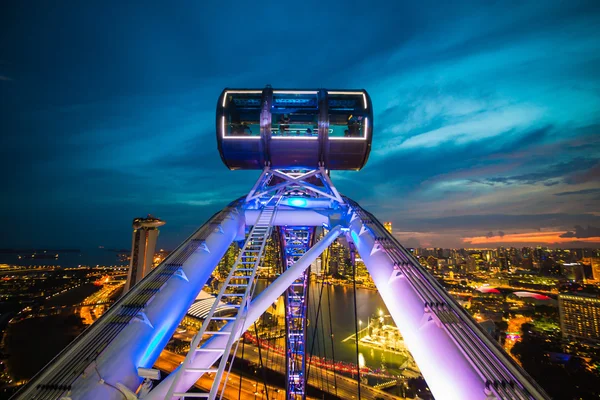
(529, 237)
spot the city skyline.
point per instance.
(485, 134)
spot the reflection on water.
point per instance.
(361, 360)
(337, 305)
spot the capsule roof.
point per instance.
(287, 128)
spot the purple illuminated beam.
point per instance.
(433, 331)
(258, 306)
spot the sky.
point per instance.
(486, 132)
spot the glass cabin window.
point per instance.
(242, 114)
(295, 113)
(347, 114)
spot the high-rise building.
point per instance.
(388, 226)
(579, 316)
(574, 272)
(145, 233)
(595, 261)
(339, 258)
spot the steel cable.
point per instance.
(352, 250)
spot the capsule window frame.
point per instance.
(223, 116)
(365, 120)
(315, 132)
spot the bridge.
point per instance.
(294, 138)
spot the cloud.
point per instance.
(581, 232)
(477, 122)
(579, 192)
(528, 238)
(551, 183)
(591, 175)
(5, 78)
(481, 125)
(469, 223)
(550, 175)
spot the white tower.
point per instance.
(145, 233)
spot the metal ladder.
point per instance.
(238, 287)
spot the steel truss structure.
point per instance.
(296, 242)
(456, 357)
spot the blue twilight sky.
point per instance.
(487, 114)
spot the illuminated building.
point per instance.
(579, 316)
(388, 226)
(573, 272)
(159, 256)
(339, 258)
(145, 233)
(596, 268)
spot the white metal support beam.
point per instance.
(261, 181)
(258, 306)
(328, 183)
(294, 179)
(458, 361)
